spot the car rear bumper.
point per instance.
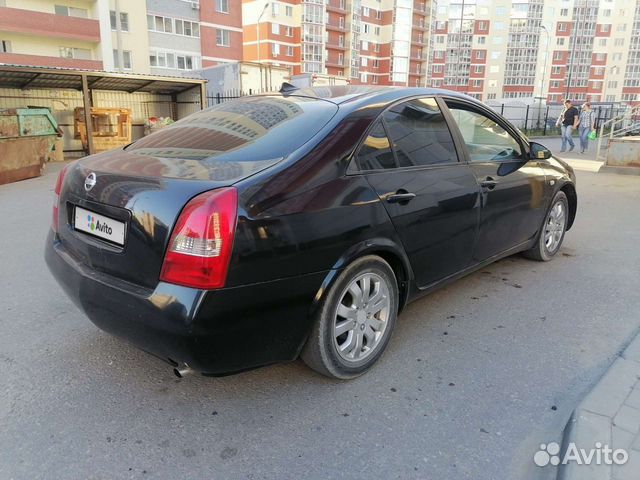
(214, 332)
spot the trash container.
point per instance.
(26, 138)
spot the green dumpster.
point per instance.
(26, 138)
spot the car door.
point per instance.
(512, 185)
(410, 159)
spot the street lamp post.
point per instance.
(544, 71)
(264, 9)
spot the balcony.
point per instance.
(330, 62)
(42, 24)
(337, 6)
(336, 27)
(337, 46)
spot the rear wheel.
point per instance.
(552, 231)
(355, 321)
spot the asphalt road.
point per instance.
(475, 377)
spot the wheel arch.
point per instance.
(570, 191)
(388, 250)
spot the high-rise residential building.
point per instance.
(54, 34)
(164, 37)
(381, 42)
(554, 49)
(174, 36)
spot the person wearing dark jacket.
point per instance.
(568, 122)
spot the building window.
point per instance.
(187, 62)
(562, 27)
(364, 45)
(124, 21)
(564, 12)
(376, 30)
(288, 31)
(439, 54)
(71, 11)
(378, 17)
(222, 38)
(619, 42)
(376, 63)
(275, 28)
(602, 42)
(437, 68)
(557, 55)
(289, 51)
(126, 59)
(482, 25)
(188, 29)
(556, 70)
(560, 41)
(156, 23)
(601, 57)
(222, 6)
(5, 46)
(376, 47)
(366, 12)
(275, 49)
(491, 96)
(288, 11)
(275, 9)
(366, 28)
(605, 28)
(482, 40)
(479, 54)
(77, 53)
(479, 69)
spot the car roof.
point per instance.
(340, 94)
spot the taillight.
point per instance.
(56, 197)
(200, 246)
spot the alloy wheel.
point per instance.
(554, 226)
(361, 317)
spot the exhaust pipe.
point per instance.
(180, 372)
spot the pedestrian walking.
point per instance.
(568, 122)
(587, 124)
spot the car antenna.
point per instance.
(287, 88)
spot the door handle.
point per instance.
(489, 183)
(401, 196)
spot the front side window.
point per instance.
(486, 140)
(375, 152)
(419, 134)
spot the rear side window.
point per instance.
(419, 134)
(375, 152)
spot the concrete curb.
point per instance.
(610, 415)
(619, 170)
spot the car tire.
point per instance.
(353, 327)
(552, 231)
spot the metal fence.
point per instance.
(537, 119)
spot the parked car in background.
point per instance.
(299, 223)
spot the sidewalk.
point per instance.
(579, 161)
(608, 415)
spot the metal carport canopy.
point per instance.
(23, 77)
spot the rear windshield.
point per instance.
(247, 129)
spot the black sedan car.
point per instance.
(299, 224)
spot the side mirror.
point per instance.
(539, 151)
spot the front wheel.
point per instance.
(552, 231)
(354, 321)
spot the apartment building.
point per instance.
(163, 37)
(554, 49)
(46, 33)
(383, 42)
